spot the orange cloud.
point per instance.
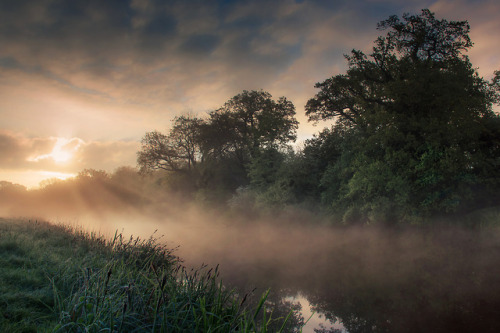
(39, 158)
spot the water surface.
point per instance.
(366, 279)
(358, 279)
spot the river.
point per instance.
(356, 279)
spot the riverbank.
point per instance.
(58, 279)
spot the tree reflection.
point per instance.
(281, 311)
(452, 286)
(280, 306)
(386, 281)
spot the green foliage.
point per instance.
(55, 279)
(25, 294)
(415, 136)
(265, 167)
(215, 154)
(257, 121)
(415, 127)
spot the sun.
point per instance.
(62, 152)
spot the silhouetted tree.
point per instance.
(93, 174)
(177, 151)
(217, 152)
(414, 111)
(247, 126)
(252, 121)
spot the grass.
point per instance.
(58, 279)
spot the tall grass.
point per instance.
(58, 279)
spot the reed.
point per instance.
(60, 279)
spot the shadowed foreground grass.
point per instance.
(56, 279)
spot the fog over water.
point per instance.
(365, 278)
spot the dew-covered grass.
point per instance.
(54, 278)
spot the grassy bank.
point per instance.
(56, 279)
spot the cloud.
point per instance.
(15, 150)
(107, 155)
(115, 50)
(52, 154)
(105, 70)
(202, 44)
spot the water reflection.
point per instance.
(377, 280)
(419, 282)
(366, 279)
(316, 320)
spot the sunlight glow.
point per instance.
(60, 155)
(50, 176)
(63, 151)
(32, 178)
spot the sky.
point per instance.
(82, 81)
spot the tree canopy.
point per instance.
(417, 68)
(415, 135)
(419, 113)
(178, 151)
(251, 121)
(218, 151)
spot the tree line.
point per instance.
(415, 136)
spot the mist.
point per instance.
(361, 278)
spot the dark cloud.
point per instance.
(250, 41)
(57, 36)
(202, 44)
(160, 26)
(9, 63)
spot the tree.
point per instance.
(179, 151)
(394, 77)
(216, 153)
(239, 133)
(252, 121)
(93, 174)
(417, 110)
